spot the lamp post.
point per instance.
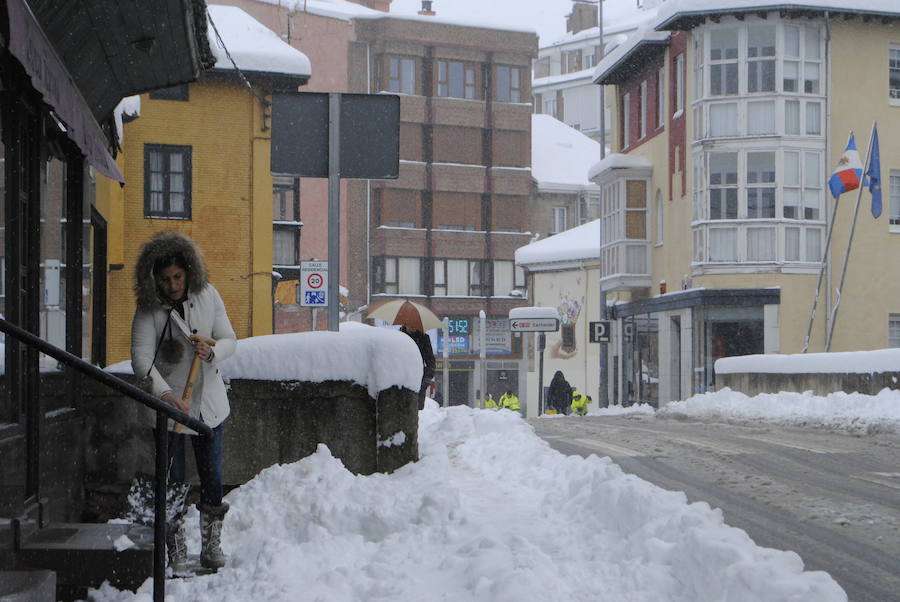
(482, 339)
(445, 401)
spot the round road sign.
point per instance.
(314, 280)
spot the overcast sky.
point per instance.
(546, 17)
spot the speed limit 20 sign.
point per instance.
(314, 283)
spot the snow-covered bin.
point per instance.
(822, 373)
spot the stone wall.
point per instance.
(271, 422)
(819, 383)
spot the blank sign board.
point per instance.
(369, 135)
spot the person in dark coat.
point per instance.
(423, 342)
(559, 394)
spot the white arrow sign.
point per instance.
(534, 324)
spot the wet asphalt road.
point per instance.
(834, 498)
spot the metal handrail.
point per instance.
(163, 412)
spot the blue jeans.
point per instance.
(208, 457)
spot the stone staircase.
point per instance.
(71, 557)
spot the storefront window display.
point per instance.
(640, 359)
(723, 332)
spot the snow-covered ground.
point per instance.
(491, 513)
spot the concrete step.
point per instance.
(27, 586)
(84, 555)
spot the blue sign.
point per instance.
(314, 297)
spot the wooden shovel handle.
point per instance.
(192, 374)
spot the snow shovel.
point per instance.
(192, 374)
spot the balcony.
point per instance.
(625, 265)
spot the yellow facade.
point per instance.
(856, 95)
(231, 203)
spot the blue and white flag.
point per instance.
(873, 175)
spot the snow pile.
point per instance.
(490, 513)
(852, 412)
(850, 362)
(376, 358)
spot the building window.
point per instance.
(509, 84)
(456, 79)
(643, 113)
(761, 185)
(401, 75)
(626, 120)
(679, 85)
(559, 220)
(723, 62)
(761, 58)
(723, 186)
(894, 74)
(660, 224)
(461, 277)
(894, 330)
(636, 210)
(167, 181)
(894, 187)
(179, 92)
(549, 107)
(402, 276)
(723, 119)
(286, 246)
(661, 98)
(503, 278)
(571, 61)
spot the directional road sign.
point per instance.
(534, 324)
(314, 283)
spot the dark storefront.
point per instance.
(721, 323)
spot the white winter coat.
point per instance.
(204, 314)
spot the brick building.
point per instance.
(446, 230)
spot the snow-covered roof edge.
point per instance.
(254, 47)
(618, 161)
(576, 244)
(685, 14)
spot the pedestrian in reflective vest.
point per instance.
(509, 401)
(579, 403)
(489, 403)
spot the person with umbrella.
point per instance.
(414, 320)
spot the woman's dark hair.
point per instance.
(165, 261)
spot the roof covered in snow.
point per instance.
(254, 47)
(346, 11)
(579, 243)
(560, 155)
(631, 54)
(686, 14)
(618, 161)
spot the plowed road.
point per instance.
(834, 498)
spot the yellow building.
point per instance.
(728, 121)
(196, 158)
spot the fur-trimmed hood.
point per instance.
(161, 245)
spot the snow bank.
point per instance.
(851, 362)
(851, 412)
(490, 513)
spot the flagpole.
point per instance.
(812, 313)
(859, 192)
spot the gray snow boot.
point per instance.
(176, 548)
(211, 555)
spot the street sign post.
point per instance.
(599, 332)
(314, 283)
(540, 320)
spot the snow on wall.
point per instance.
(850, 362)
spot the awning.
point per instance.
(49, 76)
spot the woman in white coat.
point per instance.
(175, 300)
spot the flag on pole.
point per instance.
(848, 173)
(873, 176)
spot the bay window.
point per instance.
(723, 186)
